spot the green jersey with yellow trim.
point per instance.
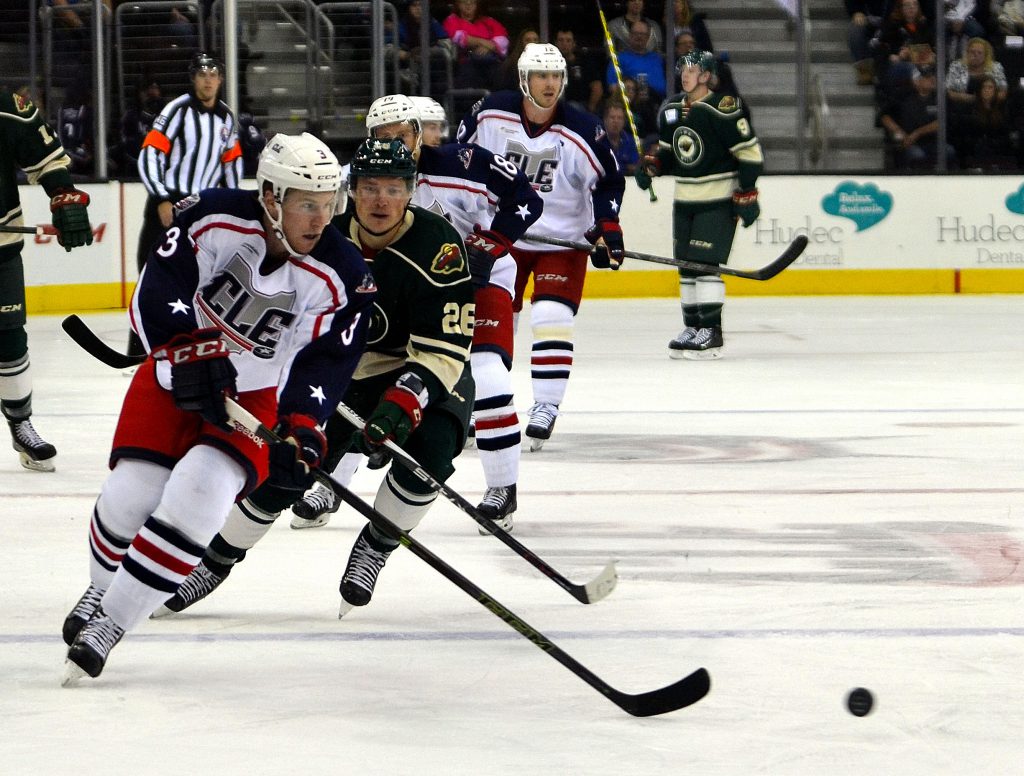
(709, 146)
(29, 144)
(423, 315)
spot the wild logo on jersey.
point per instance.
(230, 302)
(539, 166)
(448, 260)
(687, 146)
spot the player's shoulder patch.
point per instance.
(465, 155)
(22, 104)
(448, 260)
(728, 104)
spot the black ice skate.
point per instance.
(89, 651)
(36, 454)
(677, 347)
(542, 423)
(498, 505)
(315, 508)
(364, 564)
(80, 613)
(195, 587)
(706, 344)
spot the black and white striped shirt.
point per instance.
(190, 148)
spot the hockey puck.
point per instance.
(859, 702)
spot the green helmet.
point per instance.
(382, 158)
(705, 60)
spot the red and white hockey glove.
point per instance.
(201, 374)
(398, 414)
(745, 207)
(609, 250)
(484, 247)
(302, 449)
(71, 218)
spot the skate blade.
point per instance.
(702, 355)
(298, 523)
(30, 463)
(344, 608)
(504, 524)
(536, 444)
(163, 611)
(73, 673)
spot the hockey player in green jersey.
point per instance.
(28, 143)
(706, 142)
(413, 385)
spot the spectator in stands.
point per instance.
(510, 67)
(72, 41)
(620, 136)
(135, 125)
(911, 123)
(645, 111)
(585, 87)
(865, 23)
(986, 133)
(481, 43)
(688, 19)
(961, 26)
(965, 74)
(74, 128)
(621, 26)
(409, 38)
(905, 33)
(645, 67)
(1010, 17)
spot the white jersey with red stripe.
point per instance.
(298, 325)
(568, 162)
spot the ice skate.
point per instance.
(360, 577)
(677, 346)
(315, 508)
(89, 651)
(705, 345)
(80, 613)
(542, 423)
(195, 587)
(498, 505)
(36, 454)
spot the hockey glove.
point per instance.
(71, 218)
(302, 448)
(649, 168)
(201, 373)
(484, 248)
(610, 252)
(396, 416)
(745, 207)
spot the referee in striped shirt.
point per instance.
(192, 146)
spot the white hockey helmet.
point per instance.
(295, 162)
(392, 109)
(431, 111)
(540, 58)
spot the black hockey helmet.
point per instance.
(705, 60)
(204, 61)
(382, 158)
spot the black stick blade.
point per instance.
(791, 254)
(683, 693)
(86, 339)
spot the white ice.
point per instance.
(836, 503)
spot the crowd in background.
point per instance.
(895, 49)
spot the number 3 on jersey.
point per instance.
(458, 319)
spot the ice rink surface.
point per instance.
(836, 503)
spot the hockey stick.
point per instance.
(610, 45)
(787, 257)
(90, 342)
(680, 694)
(589, 593)
(38, 231)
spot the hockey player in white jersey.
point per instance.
(249, 294)
(491, 204)
(563, 152)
